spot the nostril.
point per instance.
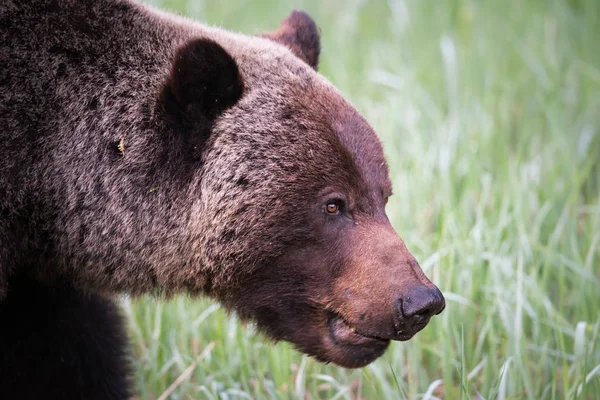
(423, 301)
(425, 312)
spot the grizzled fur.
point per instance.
(146, 153)
(161, 212)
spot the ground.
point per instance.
(489, 116)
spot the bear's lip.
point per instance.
(344, 334)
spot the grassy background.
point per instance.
(489, 112)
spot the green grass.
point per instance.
(490, 114)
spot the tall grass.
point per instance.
(490, 114)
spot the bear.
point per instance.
(146, 153)
(57, 342)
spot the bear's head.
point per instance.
(288, 221)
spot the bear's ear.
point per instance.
(203, 82)
(300, 34)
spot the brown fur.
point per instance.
(148, 153)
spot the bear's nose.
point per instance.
(421, 303)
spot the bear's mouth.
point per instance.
(344, 334)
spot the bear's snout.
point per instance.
(383, 292)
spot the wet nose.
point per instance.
(420, 304)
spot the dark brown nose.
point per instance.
(422, 303)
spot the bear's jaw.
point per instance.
(344, 334)
(342, 345)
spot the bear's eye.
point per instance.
(334, 204)
(332, 207)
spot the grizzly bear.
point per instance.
(146, 153)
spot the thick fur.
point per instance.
(59, 343)
(147, 153)
(107, 197)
